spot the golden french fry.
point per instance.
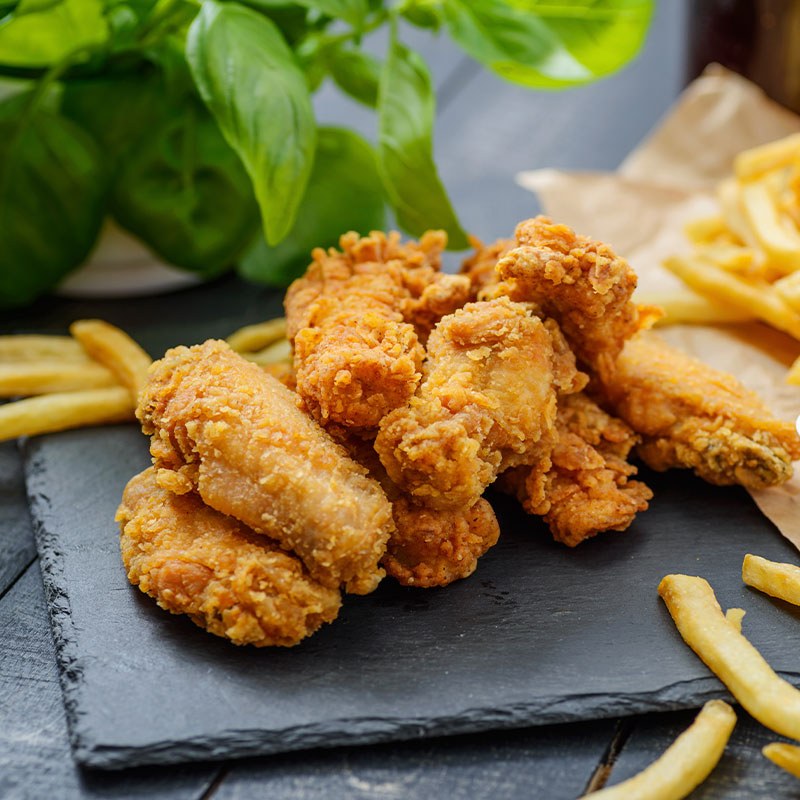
(773, 701)
(59, 412)
(786, 756)
(730, 202)
(788, 288)
(734, 258)
(685, 764)
(23, 380)
(756, 297)
(793, 375)
(114, 349)
(277, 351)
(735, 617)
(257, 337)
(32, 347)
(779, 238)
(692, 309)
(706, 230)
(772, 578)
(755, 162)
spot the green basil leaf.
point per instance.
(184, 192)
(357, 73)
(424, 15)
(549, 44)
(351, 11)
(344, 194)
(36, 34)
(249, 78)
(52, 196)
(405, 132)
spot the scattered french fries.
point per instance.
(686, 763)
(692, 309)
(252, 338)
(116, 350)
(276, 352)
(42, 377)
(786, 756)
(773, 701)
(33, 347)
(772, 578)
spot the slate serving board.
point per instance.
(539, 634)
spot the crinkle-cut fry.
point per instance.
(256, 337)
(786, 756)
(272, 354)
(757, 161)
(706, 230)
(685, 764)
(759, 298)
(774, 702)
(43, 377)
(772, 578)
(779, 238)
(34, 347)
(114, 349)
(690, 308)
(738, 224)
(65, 410)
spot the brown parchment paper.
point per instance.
(641, 210)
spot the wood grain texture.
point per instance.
(554, 763)
(35, 759)
(17, 548)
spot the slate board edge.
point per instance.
(367, 731)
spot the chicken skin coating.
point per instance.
(580, 283)
(585, 489)
(232, 582)
(222, 426)
(480, 267)
(487, 403)
(690, 415)
(357, 320)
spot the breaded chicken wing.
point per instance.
(580, 283)
(586, 488)
(220, 425)
(487, 403)
(356, 320)
(690, 415)
(229, 580)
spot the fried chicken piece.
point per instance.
(580, 283)
(222, 426)
(357, 320)
(585, 489)
(429, 546)
(487, 403)
(232, 582)
(480, 266)
(690, 415)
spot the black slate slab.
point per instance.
(540, 634)
(17, 549)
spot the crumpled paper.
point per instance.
(641, 210)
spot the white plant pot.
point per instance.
(121, 266)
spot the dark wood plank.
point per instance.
(17, 548)
(35, 759)
(741, 774)
(553, 762)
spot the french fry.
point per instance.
(786, 756)
(730, 202)
(793, 375)
(23, 380)
(692, 309)
(735, 617)
(32, 347)
(59, 412)
(706, 230)
(734, 258)
(773, 701)
(781, 241)
(772, 578)
(277, 351)
(755, 162)
(685, 764)
(256, 337)
(114, 349)
(788, 288)
(757, 297)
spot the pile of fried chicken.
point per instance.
(412, 391)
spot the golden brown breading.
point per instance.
(487, 403)
(229, 580)
(480, 266)
(690, 415)
(219, 424)
(585, 488)
(357, 318)
(580, 283)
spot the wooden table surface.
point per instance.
(487, 131)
